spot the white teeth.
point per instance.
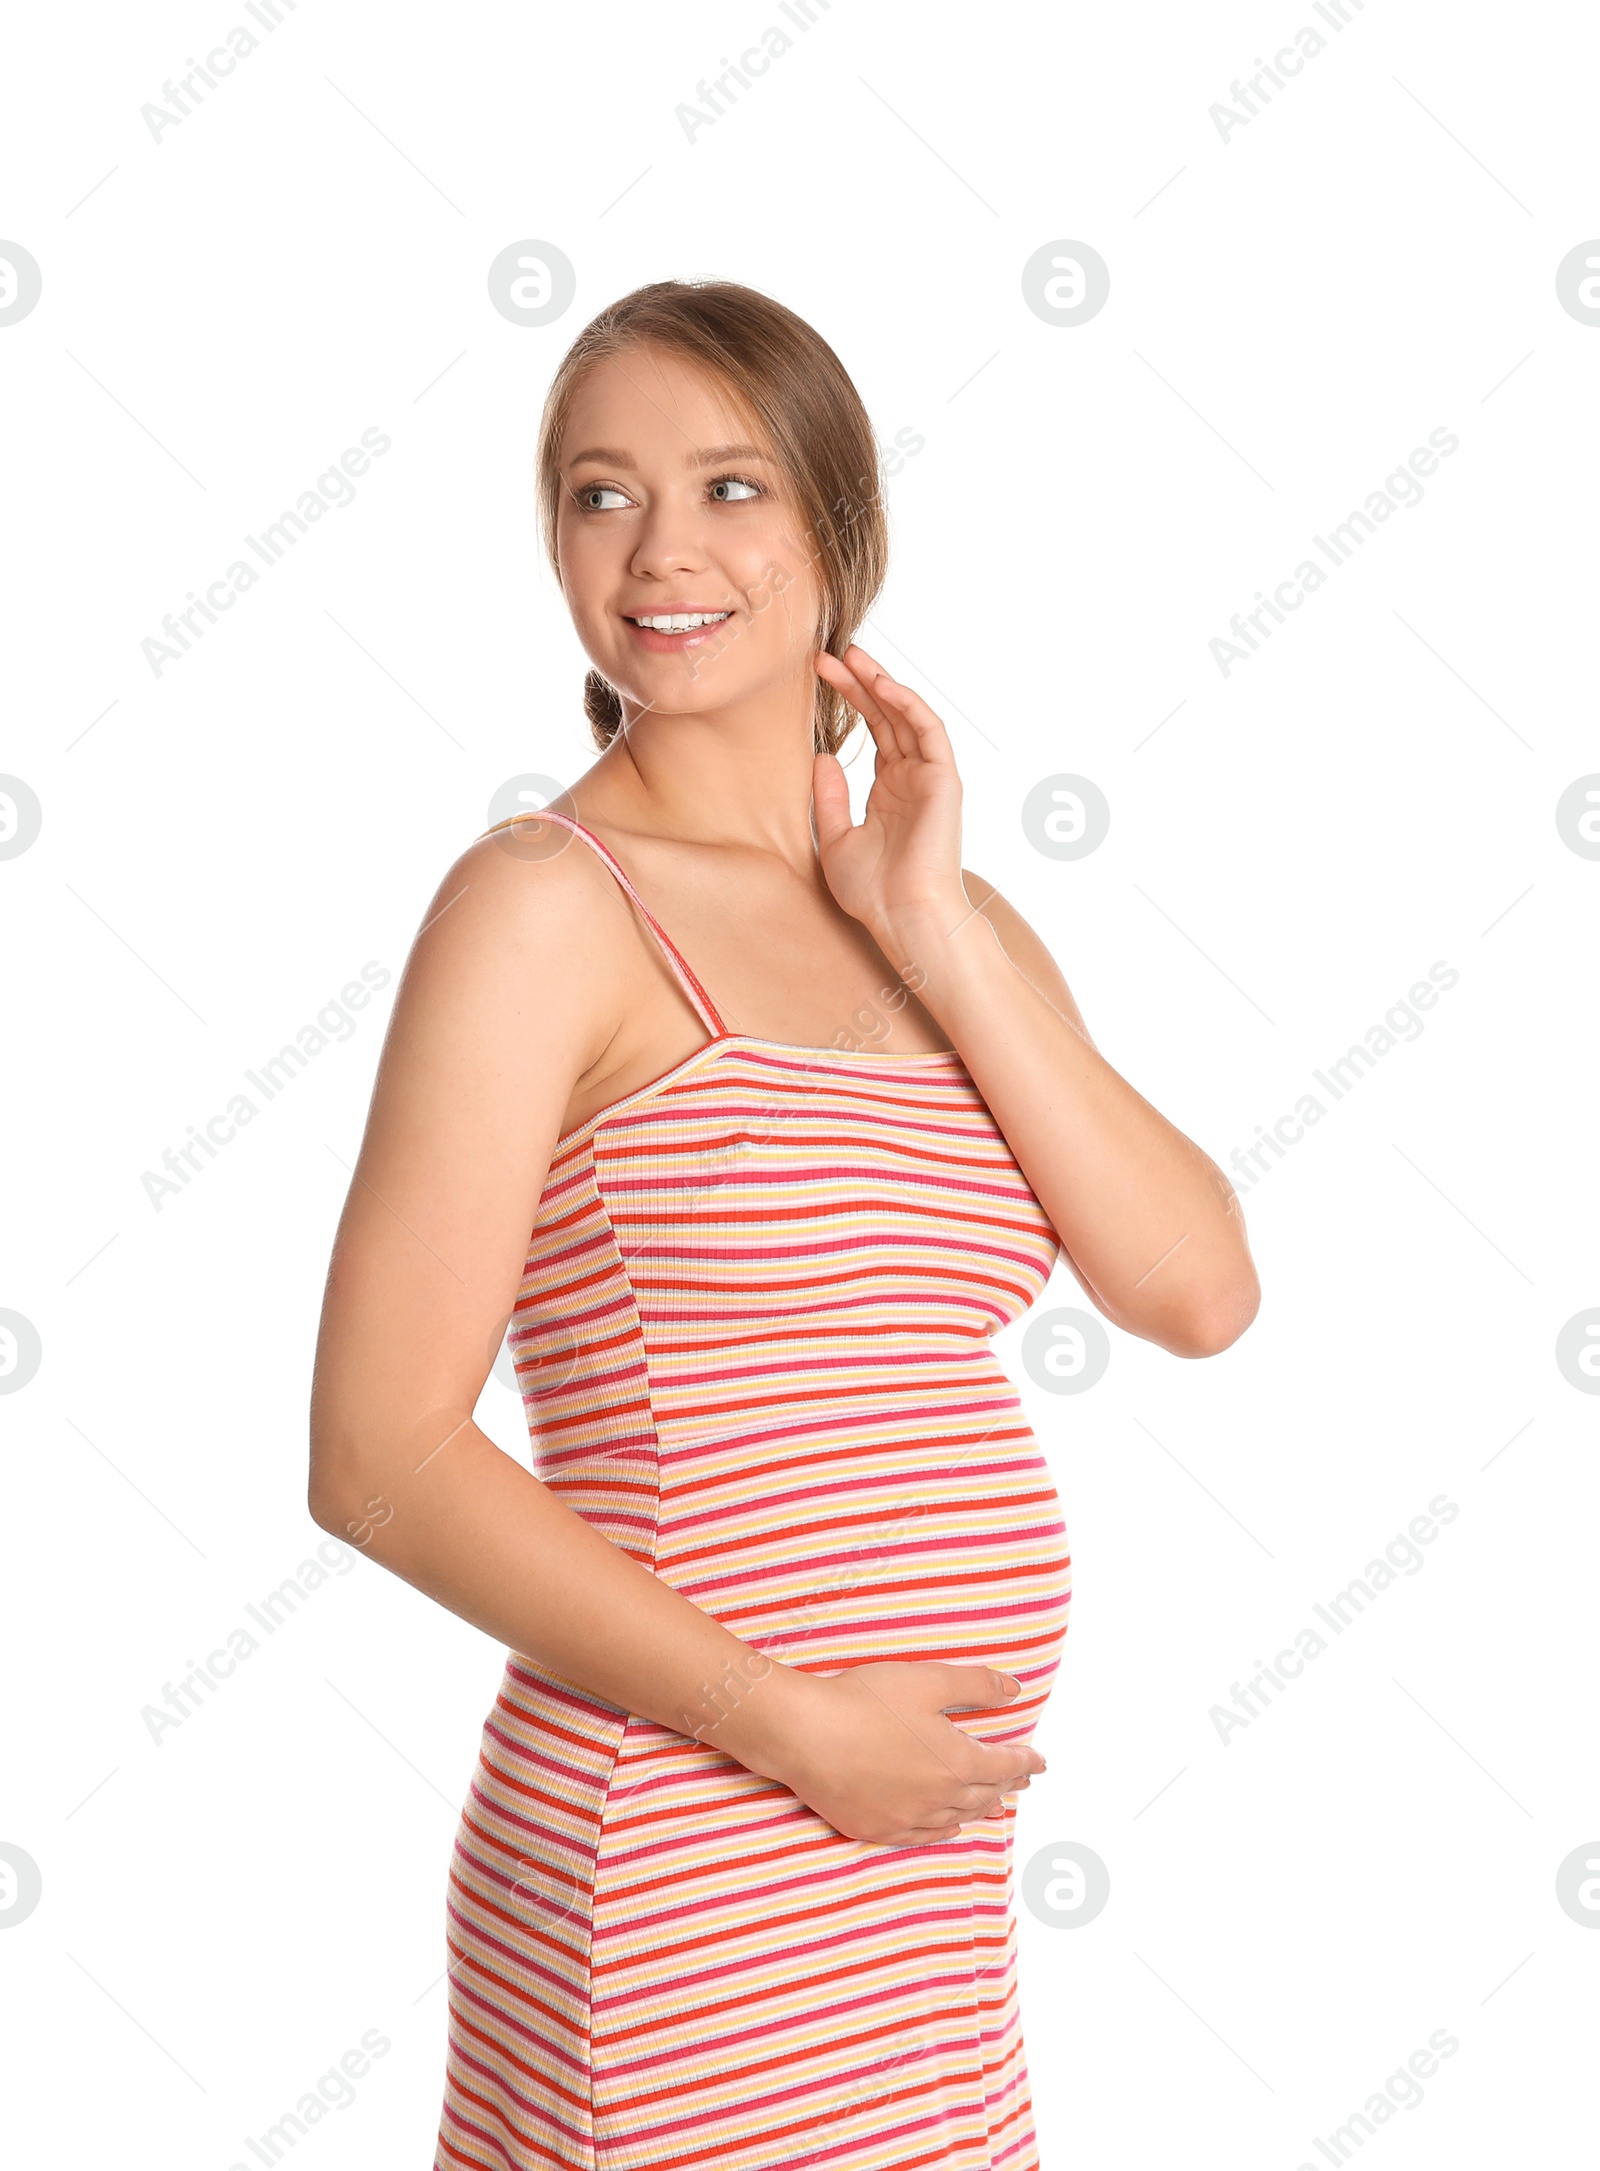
(682, 621)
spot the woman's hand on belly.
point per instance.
(871, 1751)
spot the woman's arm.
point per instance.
(512, 993)
(500, 1009)
(1149, 1223)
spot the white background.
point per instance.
(1291, 847)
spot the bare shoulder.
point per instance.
(519, 943)
(508, 995)
(1023, 945)
(521, 886)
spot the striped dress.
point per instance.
(752, 1338)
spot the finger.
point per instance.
(835, 673)
(880, 724)
(926, 1835)
(830, 800)
(887, 734)
(1032, 1760)
(1001, 1763)
(993, 1805)
(878, 687)
(929, 736)
(980, 1686)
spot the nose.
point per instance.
(669, 541)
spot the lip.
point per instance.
(658, 643)
(666, 644)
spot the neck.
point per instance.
(739, 775)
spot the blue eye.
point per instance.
(591, 498)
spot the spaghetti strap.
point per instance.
(680, 964)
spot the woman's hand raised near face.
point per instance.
(900, 865)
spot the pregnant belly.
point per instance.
(830, 1527)
(833, 1539)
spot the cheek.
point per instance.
(586, 565)
(794, 614)
(782, 585)
(574, 538)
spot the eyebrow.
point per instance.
(706, 456)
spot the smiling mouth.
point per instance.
(679, 621)
(664, 631)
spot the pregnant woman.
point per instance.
(798, 1112)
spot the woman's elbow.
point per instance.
(343, 1477)
(328, 1492)
(1218, 1324)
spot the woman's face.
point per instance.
(672, 503)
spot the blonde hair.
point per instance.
(800, 393)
